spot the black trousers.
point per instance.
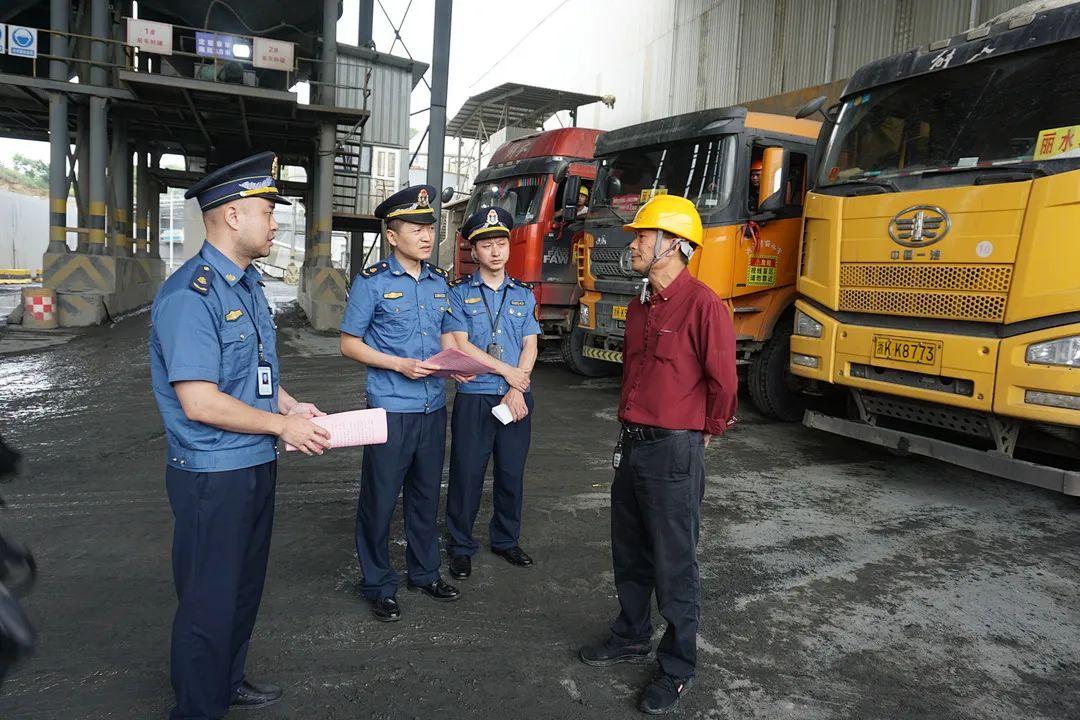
(408, 464)
(477, 437)
(655, 522)
(221, 543)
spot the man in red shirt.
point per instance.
(678, 391)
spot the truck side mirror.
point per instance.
(811, 107)
(614, 187)
(569, 198)
(448, 194)
(774, 172)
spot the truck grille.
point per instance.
(954, 292)
(605, 263)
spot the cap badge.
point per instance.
(422, 198)
(492, 217)
(255, 185)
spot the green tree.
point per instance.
(36, 171)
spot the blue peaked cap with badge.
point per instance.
(255, 176)
(487, 223)
(413, 204)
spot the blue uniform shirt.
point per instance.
(470, 314)
(397, 315)
(208, 319)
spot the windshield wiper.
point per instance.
(1021, 171)
(867, 186)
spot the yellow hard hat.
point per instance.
(583, 191)
(672, 214)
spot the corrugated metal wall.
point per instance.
(730, 51)
(391, 87)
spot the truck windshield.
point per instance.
(519, 196)
(692, 169)
(1013, 109)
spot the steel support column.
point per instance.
(324, 196)
(120, 174)
(142, 199)
(324, 168)
(59, 140)
(154, 213)
(367, 15)
(82, 173)
(440, 66)
(99, 134)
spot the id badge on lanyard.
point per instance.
(264, 377)
(264, 371)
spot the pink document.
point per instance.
(356, 427)
(451, 361)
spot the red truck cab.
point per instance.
(527, 177)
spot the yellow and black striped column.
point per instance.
(96, 226)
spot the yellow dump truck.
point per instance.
(747, 174)
(939, 275)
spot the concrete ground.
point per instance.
(838, 581)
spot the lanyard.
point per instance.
(254, 315)
(502, 304)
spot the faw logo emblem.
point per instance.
(919, 226)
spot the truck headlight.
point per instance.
(806, 325)
(583, 316)
(1058, 400)
(1063, 351)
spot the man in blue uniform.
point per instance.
(393, 322)
(213, 361)
(493, 319)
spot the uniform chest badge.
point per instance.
(233, 315)
(393, 295)
(517, 302)
(440, 296)
(470, 301)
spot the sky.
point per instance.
(479, 38)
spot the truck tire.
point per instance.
(573, 344)
(772, 387)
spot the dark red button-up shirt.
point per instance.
(679, 360)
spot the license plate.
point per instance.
(907, 350)
(618, 312)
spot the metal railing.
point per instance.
(132, 56)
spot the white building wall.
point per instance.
(665, 57)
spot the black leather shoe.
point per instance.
(386, 609)
(514, 556)
(460, 566)
(438, 590)
(662, 694)
(250, 696)
(612, 653)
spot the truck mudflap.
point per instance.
(990, 462)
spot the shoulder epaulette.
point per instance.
(373, 270)
(522, 283)
(438, 271)
(460, 281)
(201, 279)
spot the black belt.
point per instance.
(648, 432)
